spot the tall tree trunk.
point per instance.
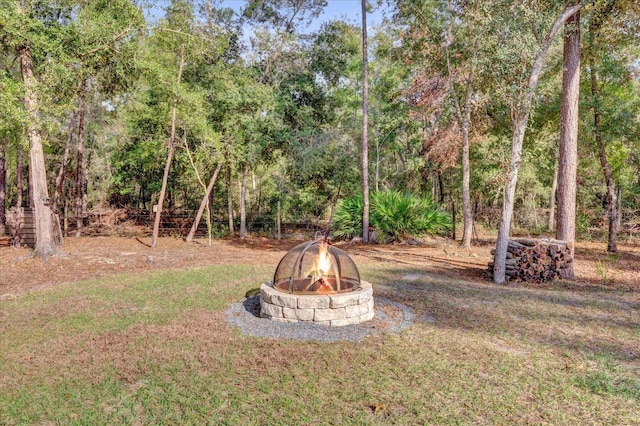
(519, 126)
(552, 197)
(229, 198)
(203, 203)
(167, 166)
(243, 202)
(568, 148)
(79, 161)
(3, 192)
(464, 118)
(20, 176)
(365, 127)
(19, 190)
(63, 165)
(45, 243)
(612, 214)
(279, 221)
(376, 178)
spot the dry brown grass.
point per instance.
(147, 342)
(94, 257)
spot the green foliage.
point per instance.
(394, 216)
(347, 219)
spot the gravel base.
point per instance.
(390, 317)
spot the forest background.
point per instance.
(137, 102)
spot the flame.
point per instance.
(323, 262)
(321, 268)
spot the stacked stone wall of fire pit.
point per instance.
(334, 309)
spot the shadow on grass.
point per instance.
(585, 322)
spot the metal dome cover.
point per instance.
(316, 267)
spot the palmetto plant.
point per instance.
(347, 219)
(395, 216)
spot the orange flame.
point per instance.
(321, 268)
(323, 262)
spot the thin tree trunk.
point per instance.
(203, 203)
(377, 173)
(63, 165)
(30, 188)
(167, 166)
(65, 221)
(85, 180)
(612, 240)
(3, 192)
(552, 198)
(279, 221)
(79, 161)
(45, 243)
(619, 210)
(243, 202)
(568, 148)
(365, 127)
(519, 126)
(453, 219)
(464, 119)
(20, 176)
(229, 199)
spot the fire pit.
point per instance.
(317, 282)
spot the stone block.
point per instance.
(367, 317)
(365, 308)
(346, 299)
(289, 313)
(314, 302)
(352, 311)
(328, 314)
(284, 300)
(270, 311)
(366, 293)
(265, 293)
(305, 314)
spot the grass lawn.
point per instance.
(155, 348)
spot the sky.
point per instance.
(348, 10)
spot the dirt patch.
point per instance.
(94, 257)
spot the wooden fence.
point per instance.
(21, 224)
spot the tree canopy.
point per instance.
(173, 94)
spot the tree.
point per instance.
(176, 47)
(204, 203)
(365, 127)
(611, 25)
(170, 148)
(520, 119)
(445, 40)
(3, 190)
(45, 242)
(568, 147)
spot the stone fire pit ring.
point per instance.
(332, 309)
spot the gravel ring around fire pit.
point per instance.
(390, 317)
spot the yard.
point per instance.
(114, 332)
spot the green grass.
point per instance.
(155, 349)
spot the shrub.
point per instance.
(394, 216)
(347, 219)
